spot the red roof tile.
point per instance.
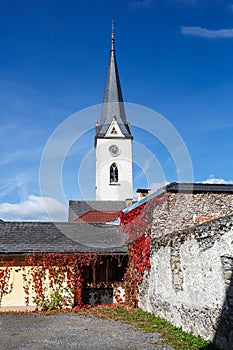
(98, 216)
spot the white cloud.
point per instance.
(139, 4)
(186, 2)
(231, 7)
(207, 33)
(19, 155)
(34, 209)
(18, 182)
(216, 180)
(8, 128)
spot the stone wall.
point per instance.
(190, 281)
(182, 210)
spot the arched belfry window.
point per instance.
(113, 173)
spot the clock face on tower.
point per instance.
(114, 150)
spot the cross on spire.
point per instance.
(112, 39)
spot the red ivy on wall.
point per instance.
(43, 273)
(5, 286)
(51, 272)
(137, 225)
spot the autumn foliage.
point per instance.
(55, 277)
(137, 225)
(55, 280)
(5, 284)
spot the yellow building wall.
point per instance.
(15, 298)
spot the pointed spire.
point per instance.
(113, 105)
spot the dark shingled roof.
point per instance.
(143, 190)
(175, 187)
(29, 237)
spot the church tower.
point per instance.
(113, 141)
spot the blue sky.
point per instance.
(174, 57)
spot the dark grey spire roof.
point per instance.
(113, 106)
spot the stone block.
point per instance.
(227, 275)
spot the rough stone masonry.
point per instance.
(190, 281)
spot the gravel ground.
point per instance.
(36, 332)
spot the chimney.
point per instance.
(142, 193)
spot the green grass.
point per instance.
(147, 322)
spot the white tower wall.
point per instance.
(121, 189)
